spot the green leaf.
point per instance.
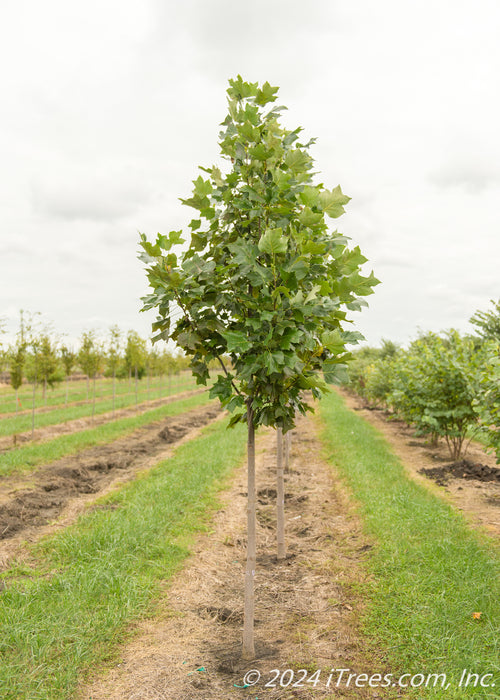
(266, 94)
(335, 373)
(298, 161)
(273, 242)
(260, 152)
(236, 341)
(332, 202)
(309, 218)
(309, 196)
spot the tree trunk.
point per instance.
(88, 384)
(288, 436)
(248, 621)
(17, 399)
(66, 398)
(280, 497)
(33, 409)
(136, 387)
(114, 391)
(93, 399)
(44, 397)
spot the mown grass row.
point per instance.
(71, 610)
(26, 458)
(79, 390)
(431, 571)
(13, 424)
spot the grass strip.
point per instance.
(431, 571)
(26, 458)
(19, 424)
(92, 580)
(77, 391)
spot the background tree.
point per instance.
(3, 353)
(113, 356)
(487, 323)
(135, 358)
(47, 360)
(17, 353)
(263, 282)
(68, 359)
(90, 359)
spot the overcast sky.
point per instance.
(109, 106)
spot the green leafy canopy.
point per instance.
(263, 281)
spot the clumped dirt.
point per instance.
(307, 606)
(72, 426)
(462, 469)
(472, 483)
(24, 509)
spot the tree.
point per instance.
(3, 354)
(17, 353)
(488, 322)
(47, 362)
(135, 357)
(68, 359)
(434, 384)
(262, 281)
(90, 357)
(487, 401)
(113, 356)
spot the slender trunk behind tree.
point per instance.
(136, 383)
(114, 391)
(147, 378)
(17, 399)
(88, 386)
(44, 397)
(248, 621)
(33, 409)
(66, 398)
(93, 398)
(280, 496)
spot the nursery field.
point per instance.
(123, 556)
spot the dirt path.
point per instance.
(64, 488)
(473, 488)
(72, 426)
(307, 608)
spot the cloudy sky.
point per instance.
(109, 106)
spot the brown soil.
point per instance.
(28, 505)
(307, 607)
(471, 484)
(73, 426)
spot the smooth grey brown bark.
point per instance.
(287, 451)
(280, 496)
(249, 608)
(93, 397)
(33, 407)
(136, 387)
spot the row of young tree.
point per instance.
(40, 357)
(446, 385)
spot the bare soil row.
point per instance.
(29, 504)
(72, 426)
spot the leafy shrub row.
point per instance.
(446, 385)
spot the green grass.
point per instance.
(431, 571)
(60, 414)
(70, 612)
(77, 391)
(26, 458)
